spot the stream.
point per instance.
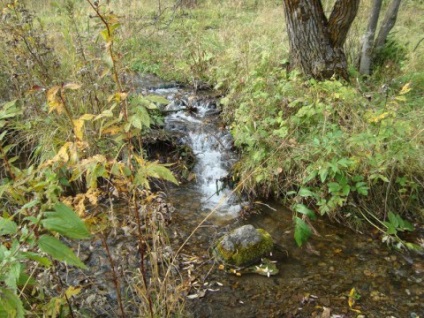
(313, 281)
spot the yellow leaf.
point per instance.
(72, 86)
(405, 89)
(87, 117)
(62, 154)
(112, 130)
(400, 98)
(53, 101)
(79, 207)
(139, 160)
(114, 20)
(105, 72)
(106, 113)
(352, 297)
(378, 118)
(72, 291)
(92, 195)
(118, 97)
(105, 35)
(78, 125)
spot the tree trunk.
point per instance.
(387, 24)
(315, 42)
(368, 42)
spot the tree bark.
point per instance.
(387, 24)
(368, 42)
(315, 42)
(341, 18)
(369, 46)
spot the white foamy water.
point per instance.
(212, 147)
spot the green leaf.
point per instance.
(301, 231)
(311, 176)
(26, 280)
(39, 259)
(12, 276)
(391, 230)
(361, 188)
(135, 121)
(66, 222)
(323, 173)
(30, 204)
(56, 249)
(301, 208)
(407, 226)
(10, 304)
(379, 176)
(345, 189)
(7, 227)
(393, 219)
(344, 162)
(155, 170)
(398, 223)
(158, 99)
(334, 187)
(304, 192)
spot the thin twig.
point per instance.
(416, 47)
(142, 251)
(115, 278)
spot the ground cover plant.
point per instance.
(71, 129)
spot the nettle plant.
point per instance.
(326, 148)
(353, 158)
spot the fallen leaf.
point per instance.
(326, 312)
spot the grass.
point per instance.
(321, 147)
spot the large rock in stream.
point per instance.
(243, 246)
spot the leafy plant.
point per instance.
(24, 243)
(396, 224)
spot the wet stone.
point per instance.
(244, 246)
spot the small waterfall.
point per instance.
(196, 120)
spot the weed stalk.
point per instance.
(115, 278)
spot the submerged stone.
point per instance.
(243, 246)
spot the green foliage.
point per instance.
(10, 304)
(301, 231)
(57, 139)
(396, 224)
(325, 146)
(25, 245)
(65, 222)
(56, 249)
(392, 52)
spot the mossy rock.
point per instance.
(243, 246)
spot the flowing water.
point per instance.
(314, 281)
(195, 119)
